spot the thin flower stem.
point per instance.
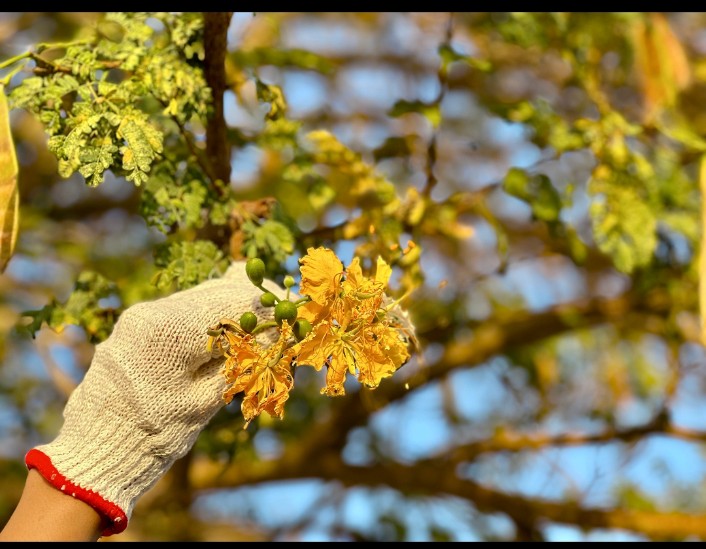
(8, 77)
(56, 45)
(260, 327)
(40, 48)
(265, 290)
(14, 59)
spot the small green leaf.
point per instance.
(82, 308)
(320, 195)
(431, 111)
(537, 190)
(295, 57)
(142, 144)
(269, 93)
(186, 264)
(272, 241)
(624, 228)
(111, 30)
(449, 55)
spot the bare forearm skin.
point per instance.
(47, 514)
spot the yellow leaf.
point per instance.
(702, 250)
(661, 63)
(9, 194)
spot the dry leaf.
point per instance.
(661, 64)
(702, 251)
(9, 194)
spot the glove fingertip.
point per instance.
(236, 270)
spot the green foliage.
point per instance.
(295, 57)
(639, 184)
(83, 308)
(450, 55)
(537, 191)
(624, 227)
(279, 132)
(177, 196)
(431, 111)
(269, 93)
(549, 129)
(142, 144)
(272, 241)
(634, 497)
(99, 101)
(186, 264)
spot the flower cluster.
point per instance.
(344, 321)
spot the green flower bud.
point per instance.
(255, 269)
(288, 281)
(285, 310)
(248, 321)
(267, 299)
(301, 328)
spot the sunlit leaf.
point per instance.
(660, 62)
(9, 193)
(431, 111)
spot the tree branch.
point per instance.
(437, 477)
(516, 442)
(215, 46)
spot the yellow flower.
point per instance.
(370, 351)
(356, 330)
(336, 294)
(264, 375)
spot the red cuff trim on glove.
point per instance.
(112, 514)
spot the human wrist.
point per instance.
(107, 460)
(47, 514)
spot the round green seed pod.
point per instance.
(248, 321)
(285, 310)
(255, 269)
(288, 281)
(301, 328)
(268, 299)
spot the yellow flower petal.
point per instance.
(354, 275)
(313, 312)
(324, 346)
(321, 275)
(382, 272)
(336, 370)
(316, 348)
(380, 353)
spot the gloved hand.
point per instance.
(151, 388)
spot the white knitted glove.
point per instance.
(151, 388)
